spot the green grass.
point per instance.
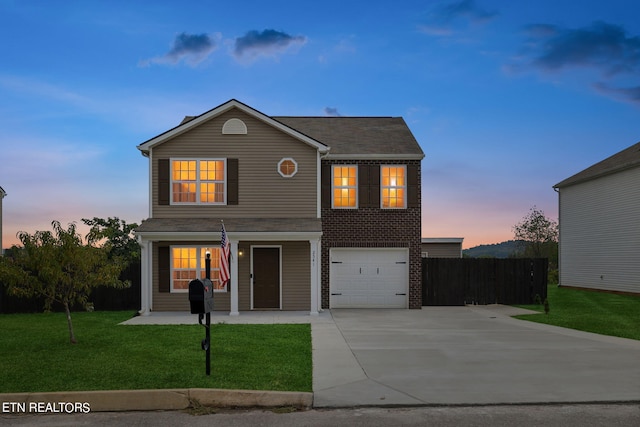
(35, 355)
(591, 311)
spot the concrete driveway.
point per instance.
(465, 355)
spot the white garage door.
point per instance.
(369, 278)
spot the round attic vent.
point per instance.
(234, 127)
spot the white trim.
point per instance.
(198, 236)
(180, 129)
(233, 285)
(314, 255)
(279, 247)
(150, 184)
(145, 276)
(318, 186)
(200, 266)
(197, 181)
(404, 187)
(234, 126)
(295, 164)
(374, 156)
(333, 186)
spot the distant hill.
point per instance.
(496, 250)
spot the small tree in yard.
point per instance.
(537, 232)
(539, 237)
(60, 268)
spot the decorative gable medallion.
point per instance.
(287, 167)
(234, 127)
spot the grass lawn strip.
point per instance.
(590, 311)
(37, 357)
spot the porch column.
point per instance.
(233, 288)
(145, 276)
(314, 247)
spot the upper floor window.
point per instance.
(188, 263)
(196, 181)
(345, 186)
(287, 167)
(393, 188)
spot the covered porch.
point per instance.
(274, 263)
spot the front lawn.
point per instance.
(35, 355)
(591, 311)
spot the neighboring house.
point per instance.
(442, 247)
(320, 212)
(599, 245)
(2, 194)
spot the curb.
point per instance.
(149, 400)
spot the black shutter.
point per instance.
(164, 269)
(164, 181)
(325, 185)
(364, 197)
(413, 186)
(374, 186)
(232, 182)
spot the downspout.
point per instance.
(557, 190)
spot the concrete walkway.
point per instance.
(465, 355)
(245, 317)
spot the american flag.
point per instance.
(224, 258)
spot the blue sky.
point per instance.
(506, 98)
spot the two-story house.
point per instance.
(320, 212)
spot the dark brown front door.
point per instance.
(266, 277)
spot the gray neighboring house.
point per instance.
(442, 247)
(2, 194)
(599, 216)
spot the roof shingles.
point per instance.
(358, 135)
(627, 158)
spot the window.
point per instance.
(287, 167)
(345, 186)
(188, 263)
(393, 187)
(198, 181)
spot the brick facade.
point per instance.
(375, 228)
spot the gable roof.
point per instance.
(625, 159)
(360, 137)
(190, 122)
(346, 137)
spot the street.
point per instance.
(580, 415)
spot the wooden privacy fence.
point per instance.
(460, 281)
(101, 297)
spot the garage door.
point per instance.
(369, 278)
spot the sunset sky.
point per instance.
(506, 98)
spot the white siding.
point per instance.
(600, 233)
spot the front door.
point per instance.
(266, 277)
